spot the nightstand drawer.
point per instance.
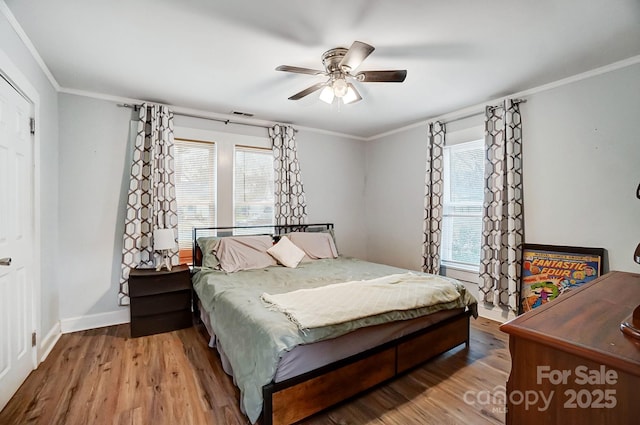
(150, 283)
(165, 322)
(161, 303)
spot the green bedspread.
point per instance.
(254, 337)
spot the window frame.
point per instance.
(456, 269)
(225, 157)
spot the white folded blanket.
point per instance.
(342, 302)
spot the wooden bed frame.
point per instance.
(299, 397)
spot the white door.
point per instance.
(16, 241)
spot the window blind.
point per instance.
(253, 187)
(195, 165)
(463, 199)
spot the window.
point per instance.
(195, 179)
(462, 206)
(222, 179)
(253, 187)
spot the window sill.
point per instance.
(460, 272)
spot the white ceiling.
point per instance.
(220, 55)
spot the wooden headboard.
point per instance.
(275, 231)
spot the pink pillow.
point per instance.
(237, 253)
(315, 245)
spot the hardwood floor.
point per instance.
(102, 376)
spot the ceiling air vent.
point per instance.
(244, 114)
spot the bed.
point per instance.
(299, 338)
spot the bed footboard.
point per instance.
(294, 399)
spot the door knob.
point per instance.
(5, 261)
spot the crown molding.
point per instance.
(522, 94)
(28, 44)
(203, 114)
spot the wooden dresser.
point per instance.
(570, 363)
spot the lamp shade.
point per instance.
(326, 95)
(164, 239)
(351, 96)
(340, 87)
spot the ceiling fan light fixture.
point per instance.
(326, 95)
(339, 64)
(340, 87)
(351, 95)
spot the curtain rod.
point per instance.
(475, 114)
(135, 107)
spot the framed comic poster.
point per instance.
(548, 271)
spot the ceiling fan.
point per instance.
(340, 65)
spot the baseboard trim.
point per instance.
(498, 314)
(92, 321)
(48, 342)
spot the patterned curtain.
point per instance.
(290, 205)
(151, 202)
(503, 217)
(433, 199)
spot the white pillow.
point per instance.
(286, 252)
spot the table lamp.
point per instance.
(163, 241)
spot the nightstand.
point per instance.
(160, 300)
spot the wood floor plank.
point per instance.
(102, 376)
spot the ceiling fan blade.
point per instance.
(355, 55)
(396, 76)
(299, 70)
(308, 91)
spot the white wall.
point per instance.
(334, 180)
(394, 198)
(581, 151)
(94, 167)
(12, 47)
(582, 165)
(94, 138)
